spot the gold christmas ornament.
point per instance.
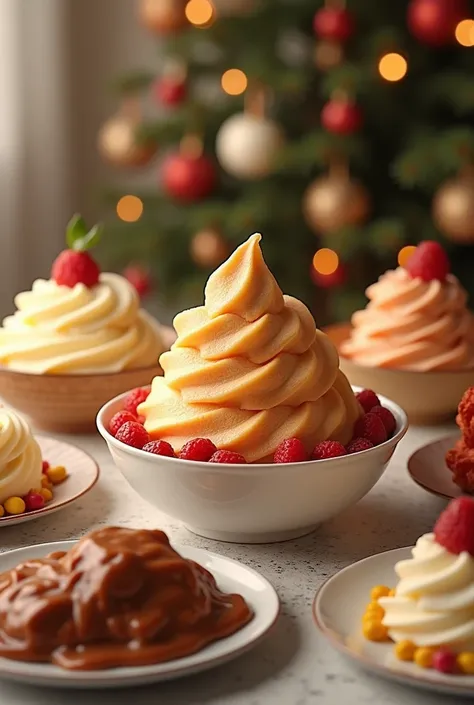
(328, 54)
(208, 248)
(453, 208)
(334, 201)
(118, 146)
(162, 16)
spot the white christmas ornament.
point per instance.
(247, 145)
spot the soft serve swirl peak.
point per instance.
(249, 368)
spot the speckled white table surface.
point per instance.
(294, 665)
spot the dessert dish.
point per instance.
(119, 597)
(460, 458)
(249, 369)
(414, 341)
(75, 339)
(429, 615)
(26, 480)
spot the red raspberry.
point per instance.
(135, 398)
(387, 418)
(199, 449)
(159, 448)
(455, 526)
(141, 419)
(359, 444)
(428, 262)
(371, 427)
(132, 434)
(227, 456)
(367, 399)
(46, 466)
(328, 449)
(290, 451)
(119, 419)
(72, 267)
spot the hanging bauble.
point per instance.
(453, 208)
(328, 54)
(334, 201)
(118, 145)
(208, 248)
(247, 145)
(169, 91)
(341, 116)
(330, 281)
(162, 16)
(139, 278)
(434, 22)
(234, 8)
(334, 23)
(188, 175)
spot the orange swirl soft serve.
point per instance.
(249, 369)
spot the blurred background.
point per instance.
(343, 131)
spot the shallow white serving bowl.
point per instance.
(251, 503)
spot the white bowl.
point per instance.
(251, 503)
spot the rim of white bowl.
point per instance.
(397, 411)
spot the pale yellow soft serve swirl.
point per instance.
(79, 330)
(20, 457)
(433, 603)
(412, 324)
(249, 369)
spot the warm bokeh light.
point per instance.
(405, 254)
(393, 67)
(234, 82)
(465, 33)
(325, 261)
(130, 209)
(200, 13)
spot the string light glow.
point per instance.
(465, 33)
(200, 13)
(325, 261)
(234, 82)
(405, 254)
(393, 67)
(130, 209)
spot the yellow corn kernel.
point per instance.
(379, 591)
(374, 609)
(45, 482)
(423, 656)
(56, 474)
(46, 494)
(374, 631)
(14, 505)
(465, 661)
(405, 650)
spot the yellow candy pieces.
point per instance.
(56, 474)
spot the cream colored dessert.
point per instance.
(413, 324)
(433, 603)
(249, 369)
(79, 330)
(20, 457)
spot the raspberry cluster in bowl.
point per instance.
(375, 426)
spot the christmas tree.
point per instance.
(341, 131)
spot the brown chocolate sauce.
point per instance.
(119, 597)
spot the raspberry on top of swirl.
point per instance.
(75, 265)
(249, 368)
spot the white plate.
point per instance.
(427, 467)
(338, 609)
(83, 473)
(231, 576)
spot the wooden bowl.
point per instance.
(68, 403)
(427, 397)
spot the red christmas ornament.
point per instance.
(434, 22)
(329, 281)
(138, 278)
(188, 178)
(334, 23)
(169, 91)
(341, 116)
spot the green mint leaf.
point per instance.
(92, 238)
(75, 230)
